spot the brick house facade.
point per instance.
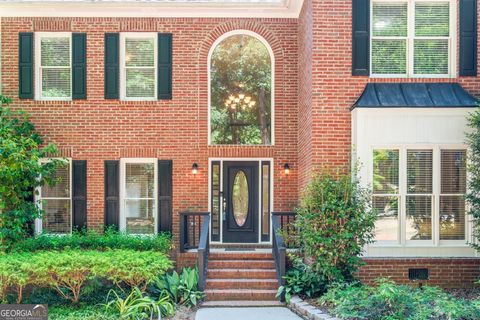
(314, 90)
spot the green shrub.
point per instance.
(334, 223)
(72, 272)
(388, 301)
(301, 280)
(182, 289)
(92, 240)
(133, 268)
(84, 312)
(137, 306)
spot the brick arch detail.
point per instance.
(275, 46)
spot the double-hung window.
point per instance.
(56, 203)
(138, 72)
(54, 65)
(419, 195)
(412, 38)
(138, 196)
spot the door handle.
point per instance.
(224, 211)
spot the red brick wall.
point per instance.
(305, 39)
(96, 129)
(443, 272)
(334, 88)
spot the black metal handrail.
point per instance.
(280, 222)
(194, 234)
(203, 251)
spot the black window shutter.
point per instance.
(79, 66)
(468, 38)
(361, 37)
(164, 195)
(112, 66)
(164, 66)
(112, 193)
(79, 194)
(25, 65)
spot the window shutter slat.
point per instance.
(79, 193)
(164, 66)
(25, 65)
(112, 70)
(79, 66)
(361, 37)
(165, 195)
(112, 192)
(468, 38)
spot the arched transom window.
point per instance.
(241, 91)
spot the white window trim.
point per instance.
(123, 73)
(123, 162)
(38, 224)
(272, 60)
(435, 242)
(38, 65)
(452, 49)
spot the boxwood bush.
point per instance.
(389, 301)
(69, 271)
(92, 240)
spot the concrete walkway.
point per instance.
(267, 313)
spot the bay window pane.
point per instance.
(389, 56)
(453, 173)
(419, 171)
(419, 218)
(140, 180)
(385, 171)
(140, 216)
(55, 51)
(452, 217)
(389, 19)
(56, 217)
(61, 189)
(431, 56)
(56, 82)
(140, 83)
(386, 226)
(432, 19)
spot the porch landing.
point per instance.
(275, 313)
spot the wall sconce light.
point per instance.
(286, 168)
(194, 168)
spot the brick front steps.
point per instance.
(244, 277)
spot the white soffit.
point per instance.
(152, 8)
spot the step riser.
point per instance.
(269, 285)
(240, 256)
(252, 264)
(251, 296)
(241, 274)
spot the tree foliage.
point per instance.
(20, 172)
(473, 194)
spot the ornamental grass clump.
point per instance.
(334, 223)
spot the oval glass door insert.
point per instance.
(240, 198)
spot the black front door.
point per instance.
(240, 194)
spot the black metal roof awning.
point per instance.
(415, 95)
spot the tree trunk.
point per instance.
(262, 117)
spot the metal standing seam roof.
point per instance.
(415, 95)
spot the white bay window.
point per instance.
(419, 195)
(138, 196)
(412, 38)
(138, 70)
